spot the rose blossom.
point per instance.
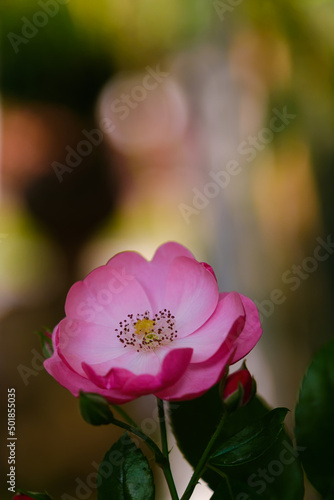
(134, 327)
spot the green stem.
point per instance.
(161, 458)
(125, 415)
(164, 442)
(203, 460)
(149, 442)
(224, 476)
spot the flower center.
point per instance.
(143, 333)
(144, 326)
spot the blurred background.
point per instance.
(128, 124)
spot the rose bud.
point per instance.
(238, 389)
(46, 340)
(28, 495)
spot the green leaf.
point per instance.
(124, 473)
(194, 422)
(95, 409)
(275, 475)
(34, 495)
(314, 418)
(252, 441)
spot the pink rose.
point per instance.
(134, 327)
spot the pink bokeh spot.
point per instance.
(135, 327)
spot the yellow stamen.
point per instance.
(144, 326)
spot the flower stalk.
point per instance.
(124, 415)
(198, 472)
(162, 458)
(135, 430)
(164, 443)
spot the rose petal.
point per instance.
(151, 275)
(198, 378)
(191, 294)
(169, 251)
(251, 332)
(106, 296)
(228, 317)
(142, 362)
(173, 367)
(75, 383)
(80, 341)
